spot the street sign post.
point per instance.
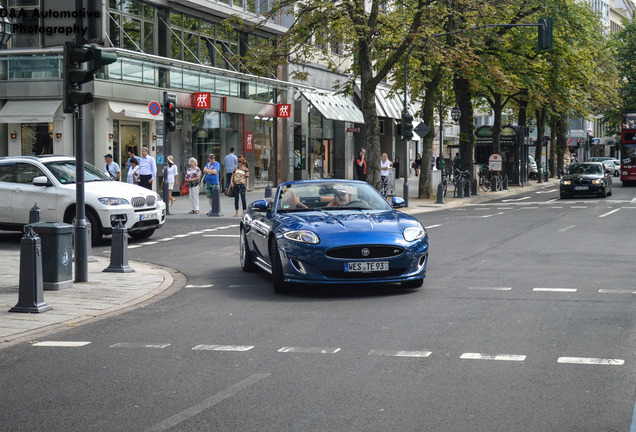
(495, 162)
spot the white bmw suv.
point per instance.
(49, 181)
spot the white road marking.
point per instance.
(433, 226)
(188, 413)
(421, 354)
(199, 286)
(222, 235)
(135, 246)
(312, 350)
(616, 291)
(181, 235)
(547, 191)
(196, 232)
(568, 290)
(209, 229)
(529, 208)
(65, 344)
(490, 288)
(166, 239)
(515, 199)
(551, 201)
(502, 357)
(239, 348)
(592, 361)
(557, 207)
(579, 207)
(149, 243)
(491, 215)
(505, 208)
(567, 228)
(139, 345)
(609, 213)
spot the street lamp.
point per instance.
(5, 28)
(456, 113)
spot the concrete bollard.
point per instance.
(35, 214)
(89, 243)
(119, 251)
(467, 188)
(539, 176)
(268, 191)
(31, 290)
(475, 187)
(460, 188)
(505, 182)
(440, 194)
(216, 203)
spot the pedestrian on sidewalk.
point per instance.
(361, 165)
(173, 177)
(418, 164)
(229, 163)
(396, 165)
(193, 180)
(211, 171)
(133, 172)
(147, 169)
(385, 164)
(111, 169)
(240, 181)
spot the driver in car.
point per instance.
(341, 198)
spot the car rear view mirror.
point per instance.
(41, 181)
(397, 202)
(260, 205)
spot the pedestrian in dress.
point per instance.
(147, 169)
(193, 180)
(173, 177)
(211, 171)
(361, 165)
(418, 164)
(385, 164)
(133, 172)
(111, 169)
(240, 181)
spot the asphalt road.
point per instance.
(524, 323)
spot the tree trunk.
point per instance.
(497, 108)
(562, 143)
(425, 189)
(463, 94)
(370, 114)
(541, 117)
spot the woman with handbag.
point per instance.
(133, 171)
(193, 180)
(240, 182)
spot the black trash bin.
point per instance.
(57, 254)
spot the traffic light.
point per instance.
(100, 59)
(578, 143)
(544, 34)
(170, 116)
(75, 76)
(407, 126)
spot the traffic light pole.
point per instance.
(166, 141)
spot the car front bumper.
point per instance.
(133, 219)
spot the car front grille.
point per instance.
(580, 181)
(148, 201)
(365, 252)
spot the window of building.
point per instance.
(132, 25)
(37, 138)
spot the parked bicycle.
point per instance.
(484, 178)
(444, 183)
(457, 175)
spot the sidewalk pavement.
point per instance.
(106, 294)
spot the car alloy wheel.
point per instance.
(247, 263)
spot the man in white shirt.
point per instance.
(111, 169)
(147, 169)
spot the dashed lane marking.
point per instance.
(515, 199)
(199, 286)
(491, 215)
(140, 345)
(567, 228)
(616, 291)
(502, 357)
(490, 288)
(239, 348)
(565, 290)
(181, 235)
(222, 235)
(421, 354)
(609, 213)
(591, 361)
(433, 226)
(310, 350)
(64, 344)
(166, 239)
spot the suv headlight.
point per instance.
(413, 233)
(566, 182)
(302, 236)
(597, 181)
(112, 201)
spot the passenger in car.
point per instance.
(290, 200)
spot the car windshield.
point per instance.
(64, 172)
(330, 195)
(585, 169)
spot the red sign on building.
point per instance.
(202, 100)
(249, 141)
(284, 110)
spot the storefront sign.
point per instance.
(249, 141)
(353, 129)
(284, 110)
(202, 100)
(495, 162)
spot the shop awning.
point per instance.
(335, 107)
(390, 106)
(133, 110)
(31, 111)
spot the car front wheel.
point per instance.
(247, 263)
(278, 282)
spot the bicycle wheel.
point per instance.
(455, 183)
(499, 185)
(484, 183)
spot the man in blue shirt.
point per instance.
(147, 169)
(211, 171)
(230, 162)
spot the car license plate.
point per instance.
(148, 216)
(581, 187)
(367, 266)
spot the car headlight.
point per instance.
(112, 201)
(597, 181)
(413, 233)
(566, 182)
(302, 236)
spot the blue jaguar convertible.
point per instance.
(333, 232)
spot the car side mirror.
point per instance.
(397, 202)
(259, 206)
(41, 181)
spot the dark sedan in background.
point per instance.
(333, 232)
(586, 178)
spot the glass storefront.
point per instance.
(263, 151)
(37, 138)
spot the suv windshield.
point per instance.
(585, 169)
(64, 172)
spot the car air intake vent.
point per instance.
(150, 200)
(365, 252)
(138, 201)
